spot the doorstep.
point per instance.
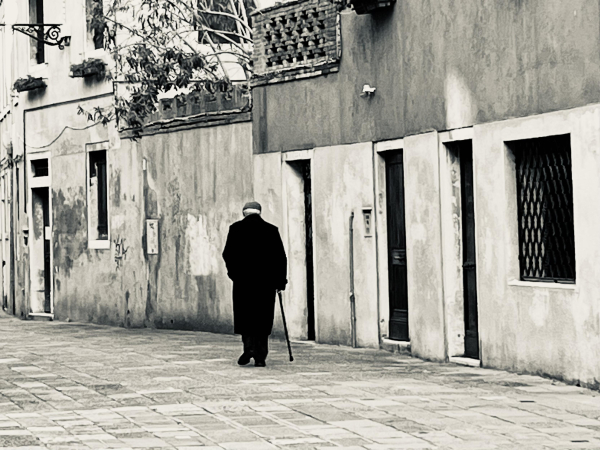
(41, 316)
(461, 360)
(402, 347)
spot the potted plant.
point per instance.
(28, 84)
(89, 67)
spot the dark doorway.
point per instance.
(465, 152)
(396, 229)
(304, 167)
(40, 248)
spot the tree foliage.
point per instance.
(170, 46)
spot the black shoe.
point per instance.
(244, 359)
(260, 364)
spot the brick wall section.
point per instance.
(295, 39)
(202, 103)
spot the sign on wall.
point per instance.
(152, 236)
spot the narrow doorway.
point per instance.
(41, 276)
(465, 152)
(301, 293)
(304, 168)
(396, 230)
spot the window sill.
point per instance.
(99, 245)
(98, 53)
(543, 285)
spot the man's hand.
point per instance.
(281, 287)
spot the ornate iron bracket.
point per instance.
(48, 33)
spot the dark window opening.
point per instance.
(221, 29)
(95, 22)
(39, 168)
(545, 209)
(310, 282)
(36, 15)
(98, 206)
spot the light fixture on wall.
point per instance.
(368, 91)
(48, 33)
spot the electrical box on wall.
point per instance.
(152, 236)
(368, 220)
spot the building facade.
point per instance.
(97, 226)
(452, 152)
(431, 168)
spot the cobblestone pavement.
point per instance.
(80, 386)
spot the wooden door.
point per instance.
(47, 241)
(396, 230)
(468, 236)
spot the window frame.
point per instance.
(517, 147)
(37, 6)
(97, 244)
(90, 38)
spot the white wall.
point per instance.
(424, 246)
(544, 328)
(343, 183)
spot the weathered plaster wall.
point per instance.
(543, 328)
(438, 65)
(424, 246)
(294, 218)
(194, 181)
(196, 184)
(452, 240)
(90, 285)
(71, 14)
(60, 88)
(267, 187)
(343, 183)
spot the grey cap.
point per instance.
(252, 205)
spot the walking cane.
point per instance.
(285, 326)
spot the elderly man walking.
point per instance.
(257, 265)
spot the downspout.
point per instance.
(352, 297)
(11, 242)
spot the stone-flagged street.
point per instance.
(80, 386)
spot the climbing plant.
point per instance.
(168, 46)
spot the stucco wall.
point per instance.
(194, 181)
(424, 246)
(537, 327)
(343, 183)
(88, 284)
(438, 65)
(195, 184)
(71, 14)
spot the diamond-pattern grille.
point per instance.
(545, 204)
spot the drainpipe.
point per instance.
(352, 297)
(11, 242)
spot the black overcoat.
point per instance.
(257, 265)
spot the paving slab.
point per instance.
(83, 386)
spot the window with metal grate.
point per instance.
(545, 209)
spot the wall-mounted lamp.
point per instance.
(368, 91)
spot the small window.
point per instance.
(36, 16)
(97, 196)
(545, 209)
(39, 168)
(95, 22)
(222, 27)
